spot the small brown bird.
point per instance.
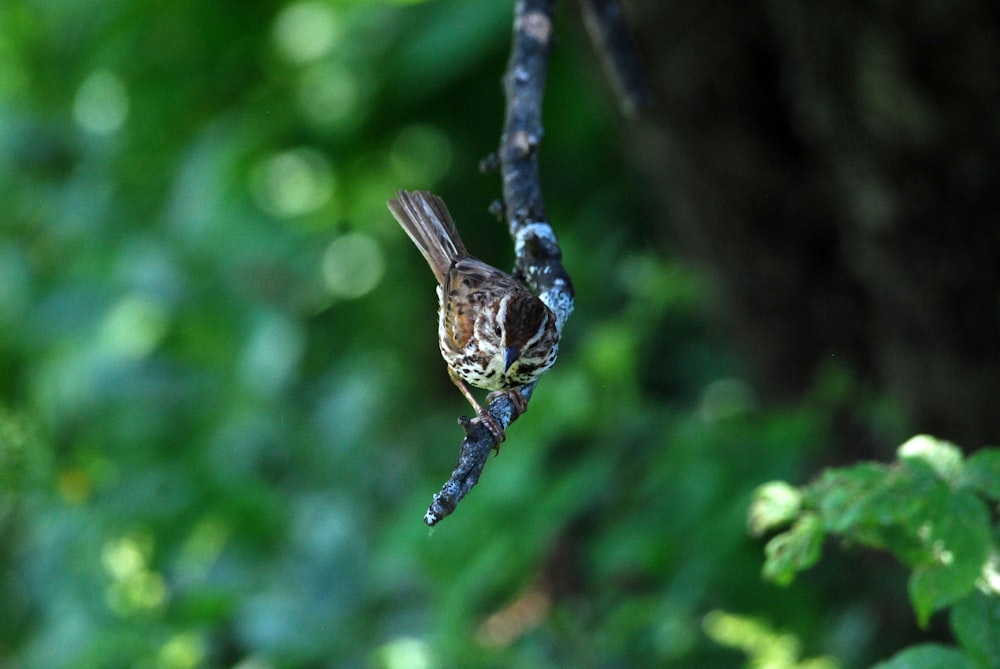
(492, 331)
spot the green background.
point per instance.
(223, 410)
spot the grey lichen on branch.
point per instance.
(538, 257)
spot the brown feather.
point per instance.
(425, 218)
(464, 297)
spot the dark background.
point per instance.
(222, 410)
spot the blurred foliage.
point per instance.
(766, 648)
(222, 410)
(932, 511)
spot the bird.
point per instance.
(493, 332)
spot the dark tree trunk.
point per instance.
(837, 167)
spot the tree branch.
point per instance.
(606, 24)
(539, 260)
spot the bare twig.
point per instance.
(606, 25)
(539, 260)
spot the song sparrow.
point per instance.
(492, 331)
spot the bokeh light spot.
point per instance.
(133, 328)
(182, 651)
(101, 103)
(271, 354)
(404, 653)
(305, 31)
(328, 94)
(203, 547)
(420, 154)
(134, 588)
(292, 183)
(353, 265)
(74, 485)
(726, 398)
(123, 558)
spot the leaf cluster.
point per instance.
(933, 509)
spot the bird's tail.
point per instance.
(426, 220)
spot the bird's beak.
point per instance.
(509, 356)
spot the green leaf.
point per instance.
(957, 541)
(774, 504)
(976, 622)
(982, 472)
(794, 551)
(843, 496)
(928, 656)
(879, 506)
(944, 457)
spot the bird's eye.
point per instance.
(496, 330)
